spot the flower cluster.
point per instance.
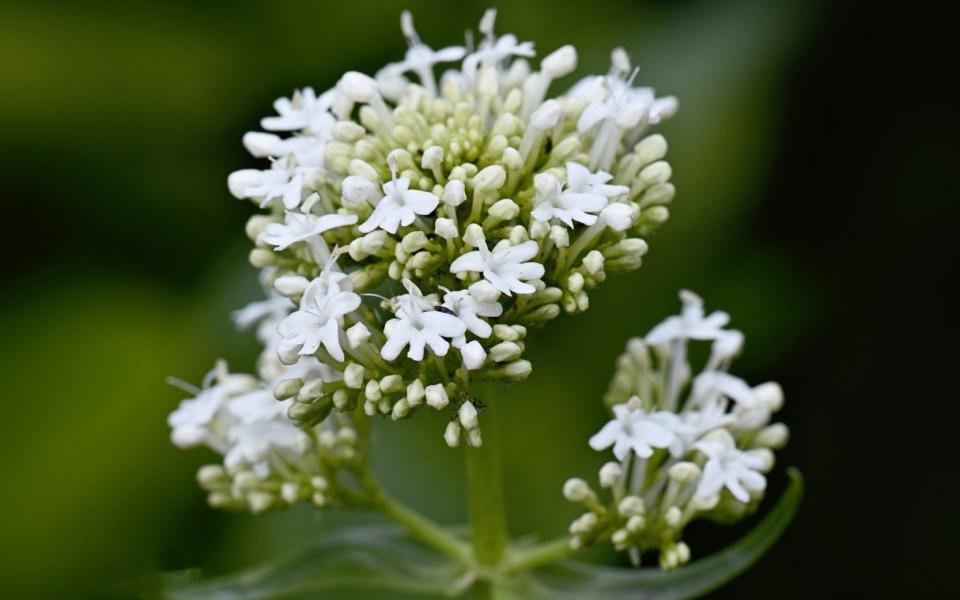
(684, 449)
(268, 459)
(475, 209)
(415, 230)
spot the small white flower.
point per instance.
(282, 181)
(267, 313)
(417, 326)
(299, 227)
(632, 430)
(201, 419)
(399, 206)
(419, 57)
(319, 320)
(711, 385)
(689, 324)
(469, 310)
(737, 470)
(307, 151)
(585, 195)
(253, 442)
(494, 49)
(506, 267)
(304, 110)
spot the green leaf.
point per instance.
(570, 579)
(378, 556)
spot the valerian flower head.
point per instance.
(680, 458)
(416, 226)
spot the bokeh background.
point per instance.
(816, 161)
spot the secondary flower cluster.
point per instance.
(683, 449)
(268, 460)
(421, 228)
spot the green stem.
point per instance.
(537, 556)
(423, 529)
(488, 521)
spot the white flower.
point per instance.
(418, 326)
(306, 150)
(419, 57)
(584, 195)
(254, 441)
(319, 320)
(283, 180)
(469, 310)
(399, 206)
(493, 49)
(299, 227)
(737, 470)
(632, 430)
(690, 324)
(267, 312)
(201, 419)
(304, 110)
(506, 267)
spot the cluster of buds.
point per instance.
(684, 448)
(419, 230)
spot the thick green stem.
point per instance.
(488, 521)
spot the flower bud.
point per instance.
(577, 490)
(357, 335)
(473, 355)
(657, 172)
(560, 236)
(391, 384)
(770, 394)
(451, 435)
(504, 210)
(474, 439)
(610, 474)
(353, 376)
(432, 157)
(560, 62)
(538, 229)
(414, 241)
(505, 351)
(210, 476)
(546, 116)
(773, 436)
(437, 396)
(415, 393)
(454, 193)
(357, 190)
(483, 291)
(684, 472)
(630, 506)
(372, 390)
(468, 415)
(473, 235)
(445, 228)
(400, 409)
(518, 370)
(511, 159)
(291, 285)
(287, 388)
(505, 332)
(489, 179)
(358, 87)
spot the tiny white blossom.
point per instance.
(506, 267)
(689, 324)
(252, 443)
(399, 205)
(469, 310)
(282, 181)
(584, 195)
(728, 467)
(299, 227)
(319, 320)
(420, 58)
(632, 430)
(304, 110)
(417, 326)
(494, 49)
(201, 420)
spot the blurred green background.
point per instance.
(812, 195)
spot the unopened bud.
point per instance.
(437, 396)
(445, 228)
(610, 474)
(451, 435)
(473, 355)
(577, 490)
(489, 179)
(353, 376)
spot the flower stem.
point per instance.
(539, 555)
(485, 489)
(423, 529)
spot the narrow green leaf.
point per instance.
(570, 579)
(358, 557)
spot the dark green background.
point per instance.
(812, 155)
